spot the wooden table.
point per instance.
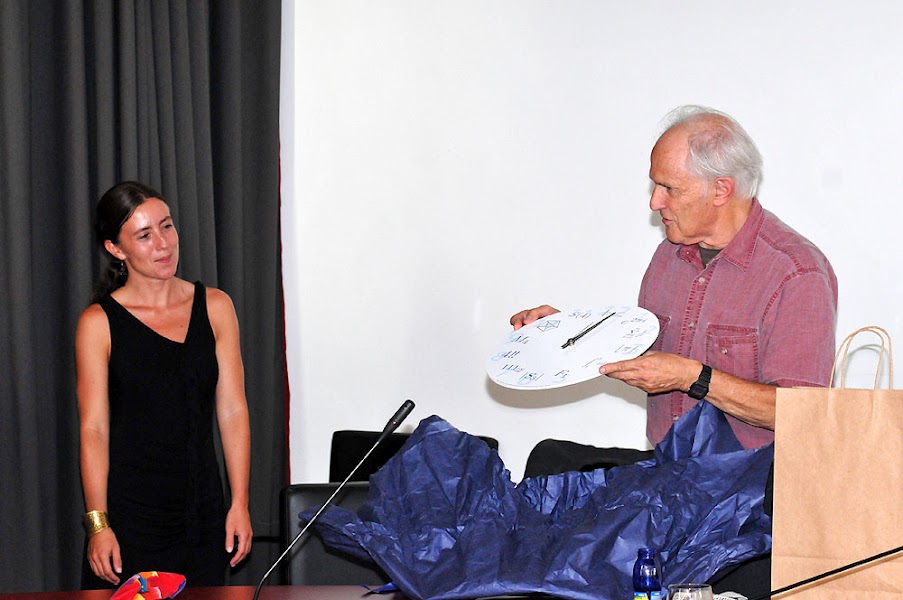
(269, 592)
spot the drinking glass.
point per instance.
(690, 591)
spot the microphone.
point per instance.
(400, 415)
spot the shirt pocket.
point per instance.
(733, 350)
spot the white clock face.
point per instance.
(539, 356)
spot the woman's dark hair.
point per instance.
(113, 210)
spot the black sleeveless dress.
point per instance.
(165, 496)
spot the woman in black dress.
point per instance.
(156, 358)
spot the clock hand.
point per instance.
(573, 340)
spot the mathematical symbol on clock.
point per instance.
(553, 324)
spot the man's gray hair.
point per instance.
(719, 147)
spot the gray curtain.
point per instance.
(183, 96)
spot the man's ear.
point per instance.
(724, 190)
(113, 249)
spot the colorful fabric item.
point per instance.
(150, 585)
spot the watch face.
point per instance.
(569, 347)
(700, 387)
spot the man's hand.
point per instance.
(525, 317)
(660, 372)
(655, 372)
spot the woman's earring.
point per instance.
(122, 270)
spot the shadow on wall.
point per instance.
(566, 395)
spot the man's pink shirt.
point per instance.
(764, 309)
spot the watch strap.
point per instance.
(700, 388)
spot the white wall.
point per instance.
(446, 164)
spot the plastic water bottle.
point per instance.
(647, 575)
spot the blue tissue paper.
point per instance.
(444, 520)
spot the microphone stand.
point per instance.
(827, 574)
(391, 426)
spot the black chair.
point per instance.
(350, 446)
(549, 457)
(310, 561)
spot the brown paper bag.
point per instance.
(838, 486)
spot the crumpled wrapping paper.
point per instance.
(444, 520)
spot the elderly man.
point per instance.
(745, 303)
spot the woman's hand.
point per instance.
(104, 557)
(238, 525)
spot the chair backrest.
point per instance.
(549, 457)
(310, 561)
(350, 446)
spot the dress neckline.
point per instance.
(144, 325)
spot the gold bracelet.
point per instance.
(95, 521)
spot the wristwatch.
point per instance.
(699, 389)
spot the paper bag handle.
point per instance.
(845, 347)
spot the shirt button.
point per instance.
(702, 280)
(675, 418)
(724, 351)
(690, 324)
